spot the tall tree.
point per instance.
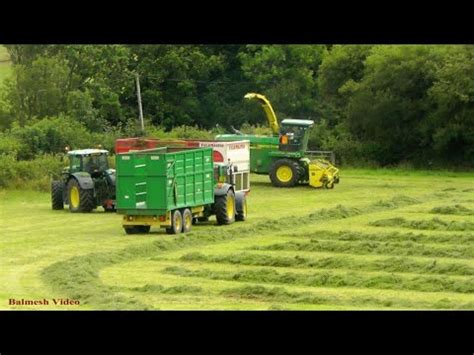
(287, 74)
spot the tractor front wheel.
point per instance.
(57, 195)
(80, 200)
(285, 173)
(225, 208)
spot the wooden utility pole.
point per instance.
(140, 109)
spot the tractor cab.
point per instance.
(88, 182)
(294, 135)
(92, 161)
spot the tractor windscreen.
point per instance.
(96, 162)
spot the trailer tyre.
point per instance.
(144, 229)
(187, 220)
(131, 229)
(57, 193)
(137, 229)
(176, 223)
(225, 208)
(241, 207)
(285, 173)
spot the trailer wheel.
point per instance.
(131, 229)
(225, 208)
(187, 220)
(241, 206)
(137, 229)
(57, 193)
(144, 229)
(176, 223)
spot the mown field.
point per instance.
(379, 240)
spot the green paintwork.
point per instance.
(264, 150)
(155, 181)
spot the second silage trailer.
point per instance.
(174, 188)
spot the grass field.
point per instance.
(379, 240)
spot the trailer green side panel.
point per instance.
(152, 182)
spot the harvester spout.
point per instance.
(267, 107)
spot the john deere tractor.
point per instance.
(284, 155)
(86, 183)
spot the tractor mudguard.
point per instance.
(222, 190)
(84, 179)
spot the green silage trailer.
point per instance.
(174, 188)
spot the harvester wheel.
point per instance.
(176, 223)
(328, 184)
(285, 173)
(187, 220)
(225, 208)
(57, 193)
(80, 200)
(241, 207)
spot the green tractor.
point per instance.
(284, 156)
(86, 183)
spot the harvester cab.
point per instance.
(294, 135)
(88, 182)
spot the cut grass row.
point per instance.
(374, 247)
(345, 235)
(387, 264)
(329, 278)
(432, 224)
(165, 287)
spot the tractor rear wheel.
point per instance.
(225, 208)
(241, 207)
(176, 223)
(57, 195)
(80, 200)
(285, 173)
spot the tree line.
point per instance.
(378, 104)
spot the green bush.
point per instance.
(51, 135)
(178, 132)
(257, 129)
(10, 145)
(30, 174)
